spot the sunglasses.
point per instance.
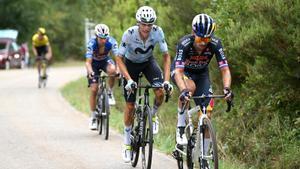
(103, 36)
(200, 39)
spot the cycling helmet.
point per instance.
(101, 30)
(42, 30)
(146, 14)
(203, 25)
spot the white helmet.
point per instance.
(203, 25)
(145, 14)
(101, 30)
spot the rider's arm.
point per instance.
(179, 78)
(34, 50)
(226, 77)
(121, 53)
(122, 67)
(167, 63)
(164, 49)
(33, 45)
(49, 54)
(88, 65)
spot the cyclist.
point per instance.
(136, 49)
(41, 47)
(97, 58)
(190, 68)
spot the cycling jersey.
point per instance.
(196, 64)
(188, 58)
(40, 42)
(137, 51)
(93, 49)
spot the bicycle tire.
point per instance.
(189, 149)
(105, 118)
(135, 139)
(147, 139)
(179, 157)
(100, 110)
(213, 149)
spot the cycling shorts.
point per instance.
(41, 51)
(203, 85)
(151, 71)
(96, 66)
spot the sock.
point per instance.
(206, 145)
(181, 119)
(93, 114)
(154, 109)
(127, 131)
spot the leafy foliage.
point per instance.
(261, 41)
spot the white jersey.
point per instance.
(133, 47)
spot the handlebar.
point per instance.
(148, 86)
(229, 103)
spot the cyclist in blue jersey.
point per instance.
(135, 56)
(97, 57)
(189, 70)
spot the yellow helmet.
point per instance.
(42, 30)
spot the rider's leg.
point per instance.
(93, 93)
(128, 120)
(153, 74)
(204, 87)
(182, 116)
(111, 71)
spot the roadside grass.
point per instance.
(77, 93)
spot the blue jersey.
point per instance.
(93, 49)
(192, 61)
(137, 51)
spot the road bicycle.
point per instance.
(194, 152)
(102, 105)
(42, 77)
(142, 133)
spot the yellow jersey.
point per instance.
(37, 43)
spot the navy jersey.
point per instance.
(93, 49)
(192, 61)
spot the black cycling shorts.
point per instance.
(203, 85)
(41, 51)
(149, 68)
(96, 66)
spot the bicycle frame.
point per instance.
(191, 132)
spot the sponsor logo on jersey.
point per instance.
(186, 42)
(141, 51)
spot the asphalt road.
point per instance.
(40, 130)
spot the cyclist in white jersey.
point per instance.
(136, 56)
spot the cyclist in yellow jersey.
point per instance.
(41, 47)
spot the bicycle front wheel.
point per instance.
(147, 139)
(210, 158)
(105, 116)
(135, 138)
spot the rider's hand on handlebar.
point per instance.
(184, 95)
(130, 85)
(91, 74)
(168, 87)
(228, 94)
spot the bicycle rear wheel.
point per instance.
(211, 158)
(147, 139)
